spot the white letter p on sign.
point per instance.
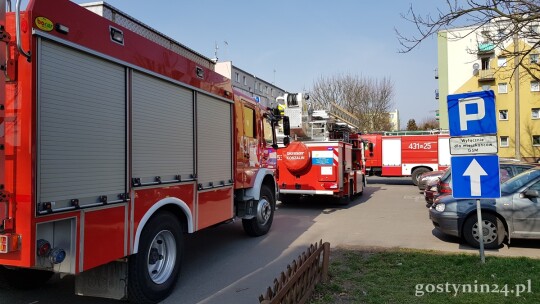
(464, 117)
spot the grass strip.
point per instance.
(413, 276)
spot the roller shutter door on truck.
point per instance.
(162, 130)
(214, 139)
(81, 112)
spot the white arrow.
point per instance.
(475, 171)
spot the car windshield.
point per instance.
(518, 181)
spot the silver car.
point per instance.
(516, 214)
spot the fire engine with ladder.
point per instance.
(113, 144)
(396, 154)
(326, 160)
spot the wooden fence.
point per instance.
(295, 285)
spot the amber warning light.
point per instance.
(9, 242)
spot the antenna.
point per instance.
(216, 48)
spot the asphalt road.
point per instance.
(223, 265)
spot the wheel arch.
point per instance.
(175, 206)
(484, 211)
(264, 177)
(428, 167)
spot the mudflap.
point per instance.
(105, 281)
(246, 208)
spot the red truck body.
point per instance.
(112, 146)
(406, 155)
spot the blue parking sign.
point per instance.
(475, 176)
(472, 113)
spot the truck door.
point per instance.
(250, 144)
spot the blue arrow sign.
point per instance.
(475, 176)
(472, 113)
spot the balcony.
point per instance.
(436, 94)
(486, 75)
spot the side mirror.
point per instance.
(286, 141)
(532, 193)
(286, 126)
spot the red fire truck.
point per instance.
(323, 161)
(406, 155)
(112, 146)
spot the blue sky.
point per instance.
(303, 40)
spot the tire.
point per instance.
(416, 174)
(24, 278)
(493, 231)
(261, 223)
(153, 271)
(345, 200)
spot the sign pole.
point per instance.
(480, 232)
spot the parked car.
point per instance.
(513, 215)
(428, 178)
(443, 186)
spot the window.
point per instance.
(503, 114)
(272, 92)
(535, 86)
(533, 58)
(266, 89)
(486, 87)
(504, 141)
(535, 113)
(501, 61)
(535, 186)
(267, 129)
(485, 63)
(520, 169)
(245, 80)
(237, 77)
(503, 88)
(249, 122)
(536, 140)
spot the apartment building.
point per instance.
(394, 120)
(263, 91)
(469, 61)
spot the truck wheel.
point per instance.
(492, 227)
(23, 278)
(261, 223)
(416, 174)
(153, 271)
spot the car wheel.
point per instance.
(416, 174)
(261, 223)
(492, 227)
(153, 271)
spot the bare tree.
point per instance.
(428, 123)
(499, 21)
(367, 98)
